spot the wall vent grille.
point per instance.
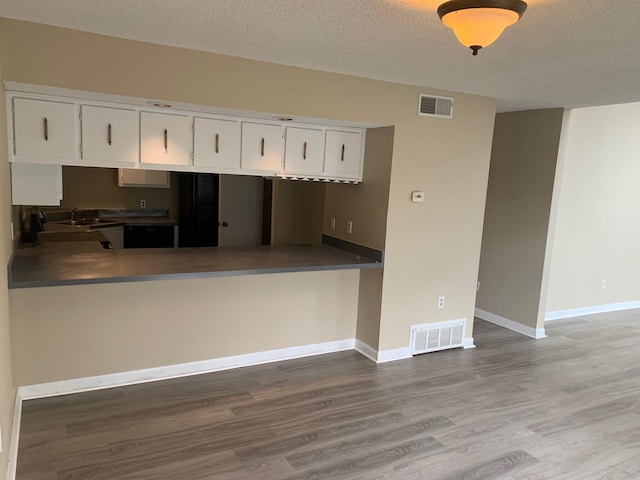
(432, 337)
(435, 106)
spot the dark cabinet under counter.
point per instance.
(149, 236)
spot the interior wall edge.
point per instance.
(518, 327)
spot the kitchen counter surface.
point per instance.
(143, 220)
(86, 262)
(59, 226)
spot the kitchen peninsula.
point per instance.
(86, 262)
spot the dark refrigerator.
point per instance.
(198, 223)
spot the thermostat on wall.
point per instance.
(417, 197)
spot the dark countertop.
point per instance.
(143, 220)
(58, 226)
(86, 262)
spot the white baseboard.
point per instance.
(15, 438)
(536, 333)
(181, 370)
(393, 355)
(396, 354)
(369, 352)
(579, 312)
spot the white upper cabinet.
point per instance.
(216, 143)
(165, 139)
(304, 152)
(262, 147)
(109, 135)
(33, 184)
(128, 177)
(343, 154)
(99, 130)
(45, 130)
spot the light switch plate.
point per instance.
(417, 197)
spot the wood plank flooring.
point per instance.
(565, 407)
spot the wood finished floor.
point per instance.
(565, 407)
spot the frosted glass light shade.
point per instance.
(478, 24)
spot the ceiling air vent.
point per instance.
(434, 106)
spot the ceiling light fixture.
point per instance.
(161, 105)
(479, 23)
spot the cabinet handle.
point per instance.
(342, 154)
(217, 143)
(304, 151)
(166, 146)
(109, 134)
(262, 148)
(46, 129)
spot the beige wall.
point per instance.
(369, 307)
(127, 326)
(521, 180)
(98, 188)
(367, 203)
(598, 223)
(297, 212)
(431, 249)
(7, 390)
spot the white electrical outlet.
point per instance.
(333, 223)
(441, 302)
(143, 204)
(349, 226)
(604, 284)
(478, 287)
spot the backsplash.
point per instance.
(92, 188)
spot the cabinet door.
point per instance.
(304, 153)
(164, 139)
(216, 143)
(343, 154)
(129, 177)
(33, 184)
(44, 129)
(262, 147)
(109, 135)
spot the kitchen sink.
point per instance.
(88, 223)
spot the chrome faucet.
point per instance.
(73, 212)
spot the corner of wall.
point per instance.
(7, 387)
(553, 217)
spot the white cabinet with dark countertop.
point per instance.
(109, 136)
(262, 147)
(165, 139)
(304, 153)
(343, 152)
(44, 131)
(216, 144)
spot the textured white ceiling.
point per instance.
(563, 53)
